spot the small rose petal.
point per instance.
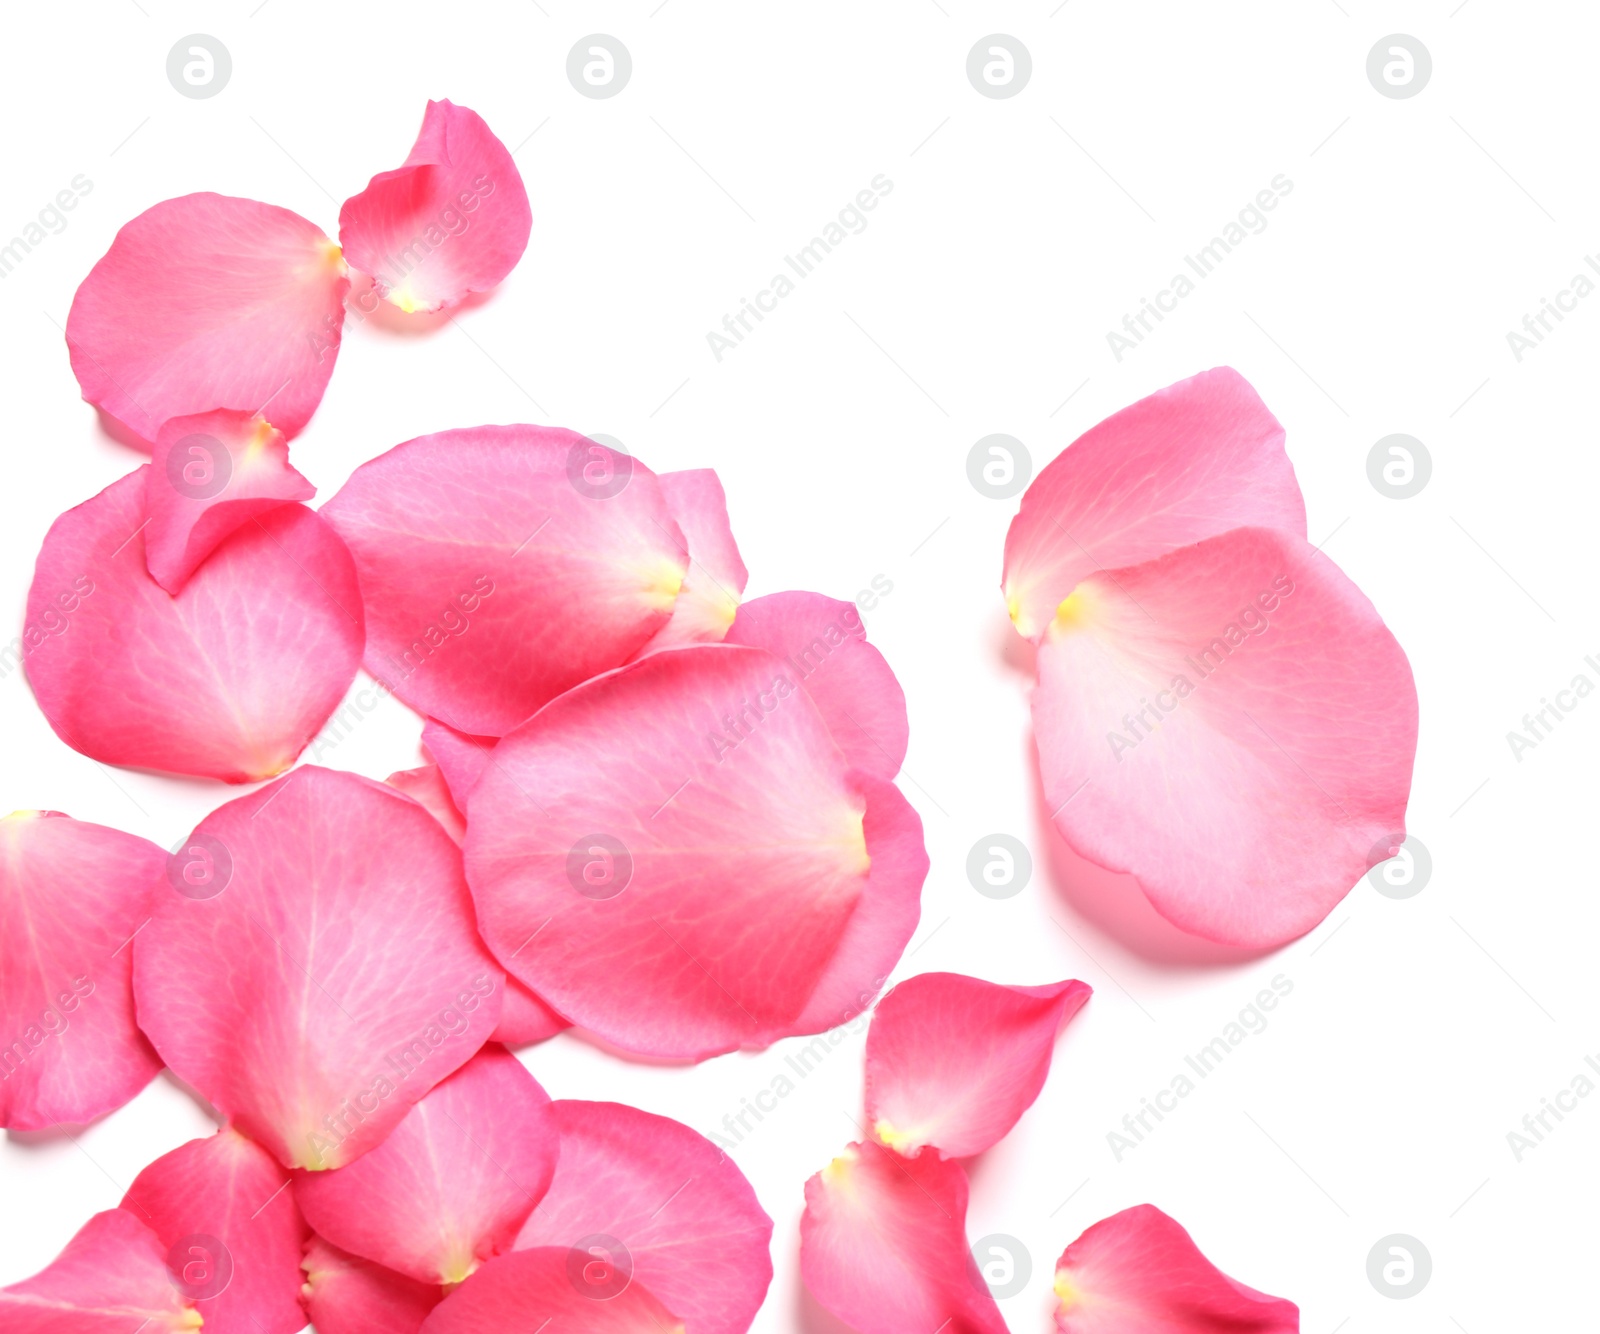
(460, 756)
(72, 897)
(672, 854)
(953, 1061)
(453, 219)
(525, 1019)
(210, 474)
(711, 590)
(823, 642)
(665, 1204)
(1234, 725)
(1139, 1270)
(230, 679)
(313, 967)
(426, 787)
(111, 1279)
(538, 1291)
(208, 302)
(504, 564)
(1189, 462)
(345, 1294)
(222, 1209)
(883, 1245)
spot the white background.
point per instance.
(1018, 232)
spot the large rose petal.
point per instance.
(883, 1245)
(208, 302)
(1139, 1270)
(953, 1061)
(662, 1203)
(209, 474)
(500, 568)
(72, 897)
(1234, 725)
(1191, 461)
(453, 219)
(230, 679)
(711, 590)
(233, 1236)
(110, 1279)
(688, 824)
(453, 1183)
(823, 642)
(345, 1294)
(314, 968)
(538, 1291)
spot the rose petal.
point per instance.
(883, 1245)
(497, 573)
(1234, 725)
(1191, 461)
(525, 1019)
(230, 679)
(665, 1204)
(72, 895)
(823, 642)
(453, 219)
(953, 1061)
(348, 1295)
(208, 302)
(209, 474)
(460, 756)
(111, 1277)
(426, 787)
(716, 578)
(1139, 1270)
(630, 829)
(314, 969)
(231, 1230)
(537, 1290)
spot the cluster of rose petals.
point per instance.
(1219, 711)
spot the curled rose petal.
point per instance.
(883, 1245)
(451, 220)
(230, 679)
(209, 474)
(504, 564)
(460, 756)
(208, 302)
(1189, 462)
(823, 642)
(544, 1290)
(953, 1061)
(111, 1278)
(1235, 726)
(453, 1183)
(426, 787)
(644, 1199)
(231, 1231)
(686, 822)
(1139, 1270)
(312, 967)
(345, 1294)
(716, 575)
(72, 895)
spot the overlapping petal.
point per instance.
(453, 219)
(231, 1231)
(208, 302)
(460, 756)
(716, 576)
(502, 565)
(543, 1290)
(647, 1199)
(672, 854)
(230, 679)
(1235, 726)
(954, 1061)
(345, 1294)
(314, 969)
(209, 474)
(72, 896)
(426, 786)
(1139, 1270)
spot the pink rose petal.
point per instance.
(230, 679)
(665, 1205)
(348, 1295)
(1189, 462)
(426, 787)
(953, 1061)
(1234, 725)
(525, 1019)
(315, 968)
(1139, 1270)
(711, 590)
(453, 219)
(498, 572)
(538, 1290)
(232, 1233)
(460, 756)
(72, 897)
(208, 302)
(209, 474)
